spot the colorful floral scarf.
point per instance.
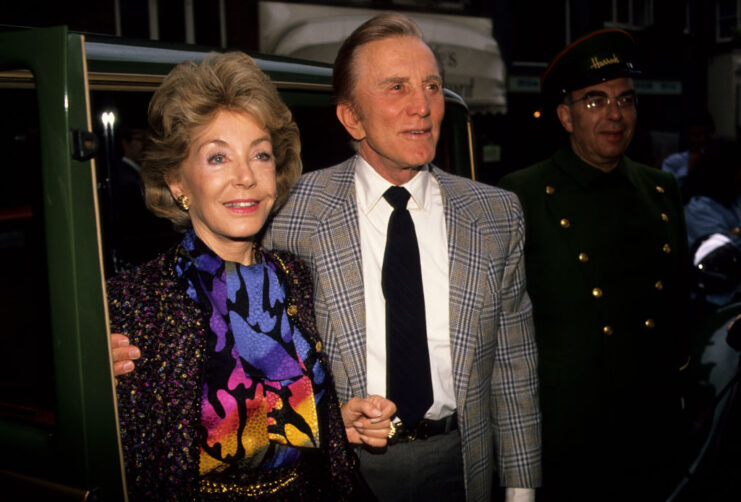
(256, 393)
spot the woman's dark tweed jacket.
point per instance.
(160, 403)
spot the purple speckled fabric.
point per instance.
(160, 403)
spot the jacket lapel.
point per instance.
(340, 277)
(467, 273)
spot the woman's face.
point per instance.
(229, 178)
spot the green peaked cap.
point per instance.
(598, 57)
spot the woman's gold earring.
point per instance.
(183, 202)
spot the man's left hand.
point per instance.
(368, 421)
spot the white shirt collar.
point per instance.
(371, 186)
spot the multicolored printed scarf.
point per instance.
(256, 392)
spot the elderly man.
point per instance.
(478, 368)
(606, 256)
(438, 320)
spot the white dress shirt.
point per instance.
(426, 209)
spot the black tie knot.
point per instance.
(397, 197)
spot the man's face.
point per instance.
(398, 106)
(600, 136)
(134, 147)
(698, 137)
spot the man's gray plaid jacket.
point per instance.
(492, 343)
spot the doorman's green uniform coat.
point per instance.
(606, 259)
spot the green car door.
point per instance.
(58, 423)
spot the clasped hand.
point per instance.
(368, 420)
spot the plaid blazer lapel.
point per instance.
(340, 277)
(467, 272)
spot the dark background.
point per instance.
(677, 40)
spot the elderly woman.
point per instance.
(232, 397)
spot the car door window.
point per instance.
(26, 378)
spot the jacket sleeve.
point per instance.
(515, 399)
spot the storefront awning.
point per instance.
(472, 60)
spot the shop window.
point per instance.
(631, 14)
(727, 19)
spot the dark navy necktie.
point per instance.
(408, 380)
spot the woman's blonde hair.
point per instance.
(189, 98)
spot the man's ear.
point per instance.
(348, 117)
(564, 115)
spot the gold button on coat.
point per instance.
(565, 223)
(659, 285)
(607, 330)
(318, 346)
(550, 190)
(667, 248)
(664, 217)
(659, 188)
(583, 257)
(292, 310)
(597, 293)
(650, 323)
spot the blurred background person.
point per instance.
(135, 233)
(132, 146)
(713, 216)
(700, 132)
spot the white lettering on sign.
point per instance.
(462, 87)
